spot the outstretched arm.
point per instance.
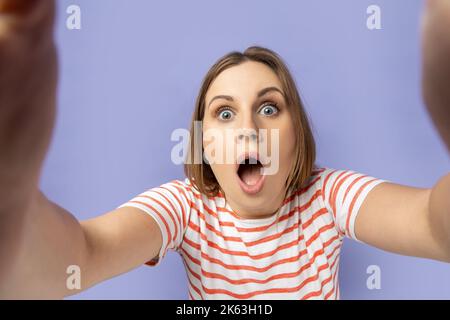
(436, 89)
(39, 239)
(416, 221)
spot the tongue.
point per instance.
(251, 174)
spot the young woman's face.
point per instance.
(246, 116)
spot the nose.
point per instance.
(247, 130)
(247, 133)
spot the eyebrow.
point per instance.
(260, 93)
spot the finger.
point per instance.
(17, 6)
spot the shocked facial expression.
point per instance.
(248, 123)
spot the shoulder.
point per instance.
(324, 180)
(317, 179)
(327, 177)
(177, 187)
(186, 189)
(311, 188)
(343, 185)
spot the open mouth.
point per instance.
(250, 174)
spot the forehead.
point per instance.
(243, 80)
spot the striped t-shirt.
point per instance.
(294, 254)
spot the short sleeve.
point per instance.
(169, 205)
(343, 193)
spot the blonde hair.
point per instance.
(201, 174)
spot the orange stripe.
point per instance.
(352, 184)
(274, 236)
(217, 232)
(192, 188)
(169, 213)
(194, 274)
(213, 229)
(285, 216)
(261, 228)
(347, 192)
(191, 285)
(332, 265)
(337, 189)
(330, 199)
(264, 228)
(328, 295)
(160, 217)
(317, 214)
(301, 191)
(185, 217)
(223, 209)
(266, 291)
(259, 256)
(271, 278)
(199, 197)
(180, 224)
(352, 204)
(324, 186)
(213, 213)
(319, 292)
(253, 268)
(195, 288)
(317, 234)
(196, 228)
(335, 284)
(317, 171)
(179, 203)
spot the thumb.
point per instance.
(26, 14)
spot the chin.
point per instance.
(260, 202)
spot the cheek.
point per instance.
(218, 145)
(289, 140)
(286, 135)
(287, 145)
(225, 176)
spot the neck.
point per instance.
(264, 212)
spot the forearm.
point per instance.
(439, 213)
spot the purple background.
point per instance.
(131, 75)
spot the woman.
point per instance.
(243, 230)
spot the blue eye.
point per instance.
(268, 110)
(225, 114)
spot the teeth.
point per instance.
(250, 160)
